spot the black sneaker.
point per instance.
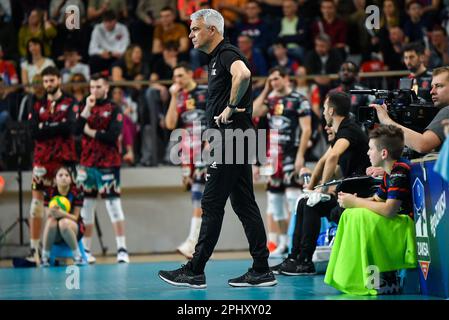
(299, 268)
(286, 264)
(389, 283)
(184, 277)
(254, 279)
(32, 260)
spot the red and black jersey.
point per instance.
(74, 195)
(191, 107)
(396, 185)
(283, 115)
(103, 151)
(52, 126)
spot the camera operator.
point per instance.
(433, 135)
(412, 54)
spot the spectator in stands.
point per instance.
(360, 39)
(79, 87)
(58, 8)
(4, 112)
(97, 8)
(73, 65)
(253, 26)
(365, 235)
(38, 26)
(187, 7)
(108, 43)
(438, 52)
(413, 54)
(129, 131)
(282, 59)
(8, 38)
(8, 74)
(323, 61)
(35, 61)
(331, 25)
(293, 30)
(65, 35)
(132, 68)
(232, 11)
(415, 26)
(170, 31)
(390, 17)
(392, 49)
(257, 64)
(433, 136)
(348, 77)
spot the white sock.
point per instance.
(45, 254)
(76, 253)
(283, 240)
(121, 242)
(87, 241)
(195, 225)
(34, 243)
(272, 237)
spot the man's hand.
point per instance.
(375, 171)
(226, 115)
(382, 113)
(88, 131)
(175, 89)
(347, 200)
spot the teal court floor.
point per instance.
(140, 281)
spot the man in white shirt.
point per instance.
(108, 43)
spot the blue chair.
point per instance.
(62, 250)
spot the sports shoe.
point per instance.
(79, 261)
(187, 248)
(299, 268)
(280, 252)
(184, 277)
(254, 279)
(45, 262)
(389, 283)
(287, 264)
(34, 256)
(271, 246)
(122, 255)
(90, 258)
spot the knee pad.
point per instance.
(114, 208)
(293, 196)
(36, 208)
(197, 194)
(276, 206)
(88, 210)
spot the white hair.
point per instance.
(211, 18)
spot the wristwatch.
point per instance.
(232, 106)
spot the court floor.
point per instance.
(140, 281)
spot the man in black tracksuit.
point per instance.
(229, 106)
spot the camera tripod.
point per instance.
(18, 136)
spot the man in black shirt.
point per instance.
(348, 153)
(229, 106)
